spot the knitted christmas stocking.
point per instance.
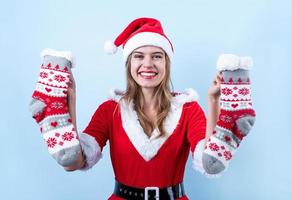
(236, 115)
(49, 107)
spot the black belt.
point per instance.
(149, 193)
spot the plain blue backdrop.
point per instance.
(200, 31)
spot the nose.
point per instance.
(147, 62)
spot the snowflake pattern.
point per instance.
(59, 78)
(67, 136)
(57, 105)
(226, 91)
(51, 142)
(226, 118)
(244, 91)
(44, 75)
(213, 146)
(227, 155)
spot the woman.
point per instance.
(151, 129)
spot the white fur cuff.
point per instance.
(91, 150)
(147, 38)
(64, 54)
(198, 160)
(233, 62)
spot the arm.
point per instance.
(236, 118)
(213, 106)
(80, 162)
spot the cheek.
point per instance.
(133, 70)
(162, 69)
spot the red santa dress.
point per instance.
(139, 161)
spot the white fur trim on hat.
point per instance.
(64, 54)
(147, 38)
(233, 62)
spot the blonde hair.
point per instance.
(162, 97)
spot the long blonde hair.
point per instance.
(162, 97)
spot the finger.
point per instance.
(215, 82)
(70, 77)
(69, 83)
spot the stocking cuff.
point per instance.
(64, 54)
(198, 161)
(233, 62)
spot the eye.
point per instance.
(138, 56)
(157, 57)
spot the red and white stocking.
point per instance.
(49, 107)
(236, 115)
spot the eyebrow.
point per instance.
(157, 52)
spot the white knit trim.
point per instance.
(237, 93)
(64, 54)
(197, 163)
(53, 136)
(91, 150)
(233, 62)
(53, 82)
(147, 38)
(148, 147)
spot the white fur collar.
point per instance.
(148, 147)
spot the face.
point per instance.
(148, 66)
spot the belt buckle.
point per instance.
(147, 189)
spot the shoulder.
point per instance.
(108, 106)
(187, 97)
(188, 102)
(108, 103)
(115, 95)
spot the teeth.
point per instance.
(148, 73)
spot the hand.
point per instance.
(71, 92)
(71, 99)
(214, 90)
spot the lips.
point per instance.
(147, 74)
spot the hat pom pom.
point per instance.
(110, 47)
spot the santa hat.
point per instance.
(140, 32)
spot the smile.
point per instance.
(147, 75)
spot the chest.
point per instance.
(128, 139)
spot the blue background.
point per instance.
(200, 30)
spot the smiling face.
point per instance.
(148, 65)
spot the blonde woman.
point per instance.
(151, 129)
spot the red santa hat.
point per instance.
(140, 32)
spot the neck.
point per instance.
(148, 98)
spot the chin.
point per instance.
(148, 86)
